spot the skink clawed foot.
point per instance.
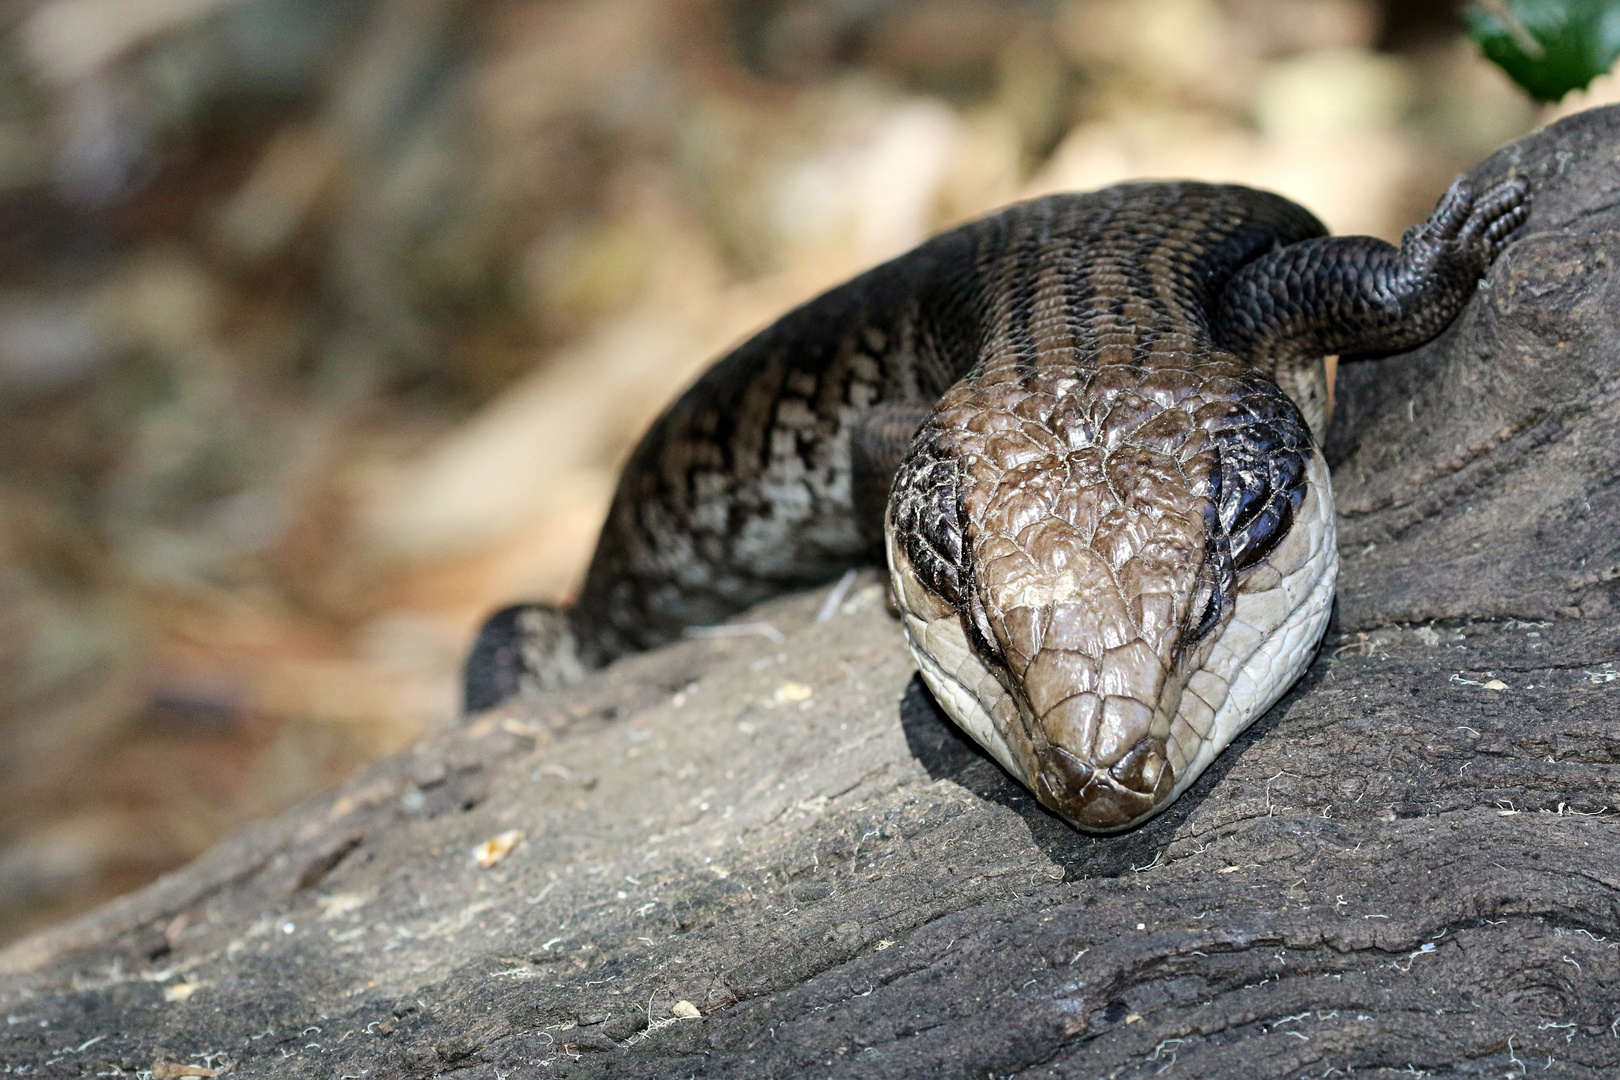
(1499, 213)
(1466, 232)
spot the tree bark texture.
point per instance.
(771, 856)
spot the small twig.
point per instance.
(835, 598)
(746, 629)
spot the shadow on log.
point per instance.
(749, 857)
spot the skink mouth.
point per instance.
(1100, 799)
(1097, 727)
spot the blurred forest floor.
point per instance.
(324, 324)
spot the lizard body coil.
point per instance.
(1084, 434)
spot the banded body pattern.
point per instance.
(742, 490)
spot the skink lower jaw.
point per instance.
(1105, 800)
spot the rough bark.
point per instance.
(1412, 864)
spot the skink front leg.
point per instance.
(1358, 294)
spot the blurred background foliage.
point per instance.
(1549, 47)
(324, 324)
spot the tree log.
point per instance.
(771, 856)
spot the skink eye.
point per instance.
(1253, 541)
(1213, 595)
(1260, 474)
(1214, 604)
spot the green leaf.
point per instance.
(1549, 47)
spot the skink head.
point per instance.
(1072, 560)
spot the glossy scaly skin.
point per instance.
(1112, 538)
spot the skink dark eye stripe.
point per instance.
(1262, 534)
(1262, 449)
(928, 515)
(1218, 571)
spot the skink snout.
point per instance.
(1106, 799)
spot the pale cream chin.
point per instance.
(967, 690)
(1282, 609)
